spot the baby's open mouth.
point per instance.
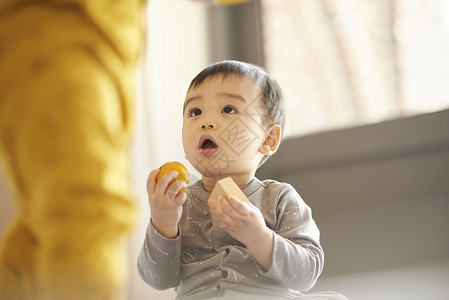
(207, 145)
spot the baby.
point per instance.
(267, 248)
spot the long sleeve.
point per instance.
(296, 265)
(159, 263)
(298, 258)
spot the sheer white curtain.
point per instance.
(351, 62)
(176, 51)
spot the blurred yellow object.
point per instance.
(67, 73)
(231, 2)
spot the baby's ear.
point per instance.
(273, 135)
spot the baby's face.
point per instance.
(222, 130)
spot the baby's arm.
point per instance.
(297, 263)
(159, 260)
(293, 255)
(298, 258)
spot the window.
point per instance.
(352, 62)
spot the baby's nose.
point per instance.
(209, 125)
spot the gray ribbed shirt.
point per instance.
(204, 261)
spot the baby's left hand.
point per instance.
(242, 220)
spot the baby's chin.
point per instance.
(209, 167)
(212, 172)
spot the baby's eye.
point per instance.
(195, 112)
(229, 110)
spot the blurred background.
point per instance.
(367, 135)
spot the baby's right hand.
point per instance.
(166, 202)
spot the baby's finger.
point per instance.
(175, 189)
(163, 184)
(180, 198)
(151, 181)
(180, 186)
(241, 207)
(225, 209)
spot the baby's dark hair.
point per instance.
(273, 98)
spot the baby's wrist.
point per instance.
(169, 232)
(264, 239)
